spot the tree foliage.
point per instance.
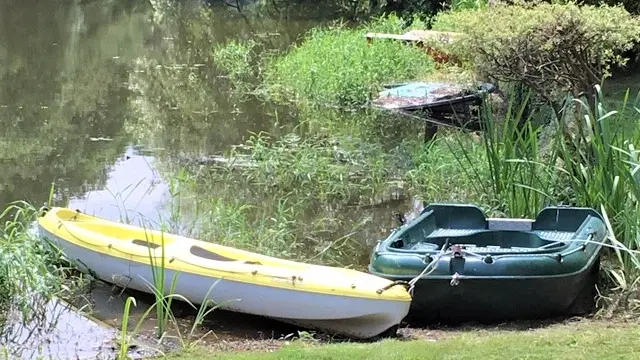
(553, 49)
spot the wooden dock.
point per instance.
(429, 39)
(419, 36)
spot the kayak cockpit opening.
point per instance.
(207, 254)
(210, 255)
(145, 243)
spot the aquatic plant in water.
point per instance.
(31, 271)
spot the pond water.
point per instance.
(94, 94)
(103, 98)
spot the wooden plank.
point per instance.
(416, 36)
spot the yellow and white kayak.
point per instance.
(336, 300)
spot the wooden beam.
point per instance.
(416, 36)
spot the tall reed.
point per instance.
(29, 277)
(602, 168)
(159, 287)
(518, 174)
(598, 165)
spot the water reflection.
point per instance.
(137, 73)
(55, 95)
(134, 192)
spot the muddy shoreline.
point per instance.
(89, 328)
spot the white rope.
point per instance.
(429, 268)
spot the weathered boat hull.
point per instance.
(495, 269)
(491, 299)
(352, 316)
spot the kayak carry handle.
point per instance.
(43, 210)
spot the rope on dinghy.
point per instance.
(430, 267)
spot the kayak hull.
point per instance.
(352, 316)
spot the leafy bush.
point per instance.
(550, 48)
(336, 66)
(632, 6)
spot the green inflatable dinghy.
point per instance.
(463, 266)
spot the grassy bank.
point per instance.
(31, 274)
(583, 340)
(331, 66)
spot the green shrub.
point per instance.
(336, 66)
(550, 48)
(632, 6)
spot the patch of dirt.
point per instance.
(269, 345)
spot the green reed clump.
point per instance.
(324, 169)
(520, 176)
(237, 60)
(436, 175)
(601, 164)
(186, 340)
(29, 277)
(336, 66)
(278, 225)
(519, 171)
(235, 211)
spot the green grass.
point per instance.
(579, 341)
(29, 271)
(336, 66)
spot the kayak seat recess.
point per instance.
(207, 254)
(210, 255)
(196, 251)
(145, 243)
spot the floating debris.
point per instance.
(237, 161)
(100, 139)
